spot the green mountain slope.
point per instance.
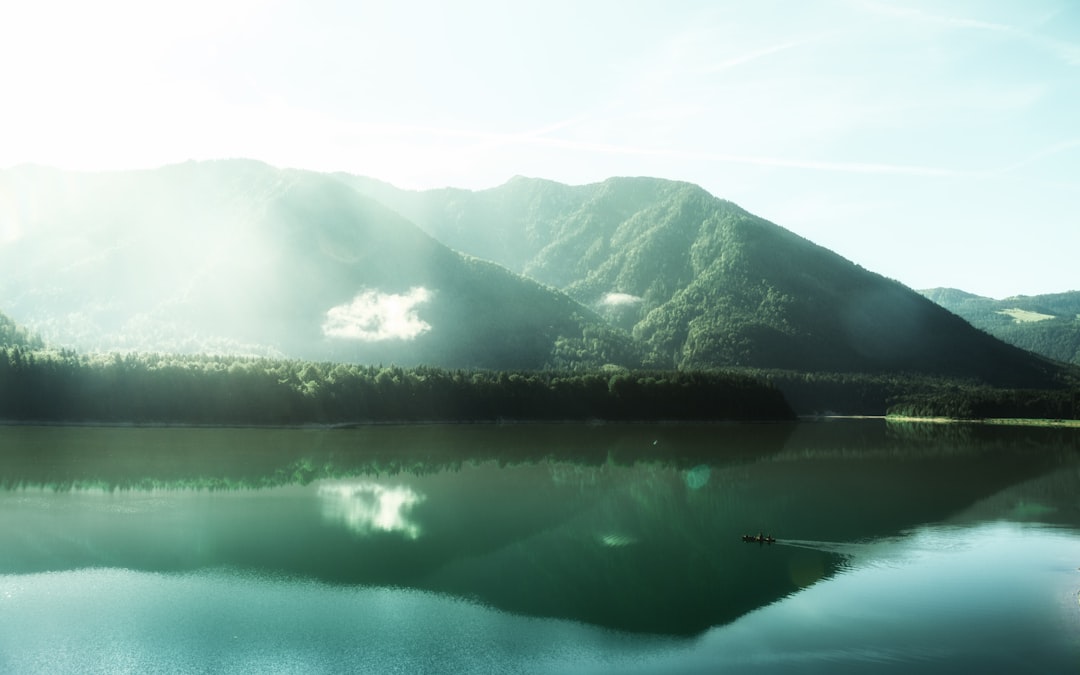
(554, 233)
(700, 282)
(239, 257)
(1044, 324)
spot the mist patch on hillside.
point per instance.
(373, 316)
(619, 300)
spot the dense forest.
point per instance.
(910, 395)
(53, 386)
(14, 335)
(152, 388)
(49, 385)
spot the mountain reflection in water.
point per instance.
(632, 528)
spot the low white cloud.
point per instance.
(373, 316)
(619, 300)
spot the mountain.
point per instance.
(1044, 324)
(240, 257)
(700, 282)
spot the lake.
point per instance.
(541, 549)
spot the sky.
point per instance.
(936, 142)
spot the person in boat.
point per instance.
(760, 538)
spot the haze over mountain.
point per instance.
(1044, 324)
(849, 122)
(242, 257)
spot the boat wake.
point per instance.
(848, 549)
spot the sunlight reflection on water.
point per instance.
(223, 621)
(980, 596)
(961, 607)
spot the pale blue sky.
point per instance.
(935, 142)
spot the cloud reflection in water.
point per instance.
(366, 507)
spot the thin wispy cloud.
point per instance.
(1049, 151)
(534, 139)
(765, 103)
(763, 52)
(1067, 52)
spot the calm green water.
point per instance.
(538, 548)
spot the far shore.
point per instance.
(1003, 421)
(326, 426)
(315, 426)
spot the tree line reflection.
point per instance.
(635, 528)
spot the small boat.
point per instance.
(759, 539)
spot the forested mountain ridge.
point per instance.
(240, 257)
(554, 233)
(1045, 324)
(701, 282)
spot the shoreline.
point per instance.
(316, 426)
(996, 421)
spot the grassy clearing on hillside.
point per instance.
(1024, 316)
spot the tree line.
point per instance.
(65, 386)
(914, 395)
(14, 335)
